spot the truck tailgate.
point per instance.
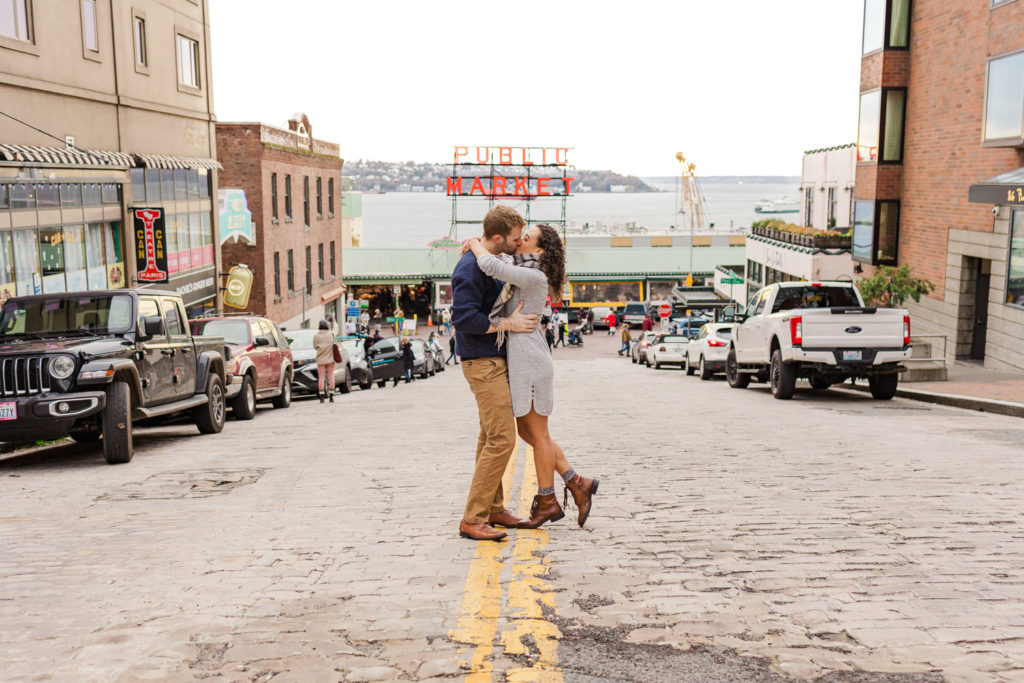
(837, 329)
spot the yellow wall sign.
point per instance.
(239, 285)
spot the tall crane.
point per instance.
(691, 205)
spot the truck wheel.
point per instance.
(705, 374)
(883, 387)
(689, 368)
(284, 399)
(368, 384)
(244, 405)
(117, 424)
(736, 379)
(210, 417)
(346, 386)
(782, 377)
(820, 383)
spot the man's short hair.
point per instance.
(501, 220)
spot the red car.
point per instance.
(260, 366)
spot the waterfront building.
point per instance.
(826, 187)
(291, 184)
(939, 183)
(109, 108)
(351, 219)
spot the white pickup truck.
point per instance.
(821, 331)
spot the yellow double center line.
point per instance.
(522, 613)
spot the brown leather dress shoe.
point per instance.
(582, 490)
(507, 520)
(480, 531)
(544, 509)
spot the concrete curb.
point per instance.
(985, 405)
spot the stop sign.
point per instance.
(664, 310)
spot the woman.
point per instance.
(626, 338)
(408, 360)
(323, 342)
(539, 269)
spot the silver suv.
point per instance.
(633, 314)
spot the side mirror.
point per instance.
(262, 340)
(152, 326)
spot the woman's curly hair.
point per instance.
(552, 261)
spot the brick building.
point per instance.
(292, 185)
(940, 138)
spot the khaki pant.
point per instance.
(488, 378)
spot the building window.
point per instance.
(886, 25)
(277, 273)
(305, 199)
(881, 125)
(89, 31)
(333, 271)
(1004, 101)
(287, 197)
(291, 271)
(188, 62)
(876, 230)
(808, 206)
(309, 270)
(319, 196)
(867, 130)
(139, 25)
(1015, 276)
(16, 19)
(830, 208)
(273, 195)
(330, 196)
(320, 260)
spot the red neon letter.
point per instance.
(454, 186)
(477, 185)
(544, 156)
(542, 187)
(505, 155)
(487, 155)
(558, 155)
(521, 188)
(498, 186)
(567, 182)
(461, 152)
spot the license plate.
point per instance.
(852, 355)
(8, 410)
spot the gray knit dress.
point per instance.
(531, 374)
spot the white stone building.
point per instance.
(826, 182)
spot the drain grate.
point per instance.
(185, 484)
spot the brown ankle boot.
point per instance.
(544, 508)
(582, 489)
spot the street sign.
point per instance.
(352, 309)
(732, 281)
(664, 310)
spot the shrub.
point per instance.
(890, 286)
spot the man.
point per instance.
(563, 322)
(483, 365)
(364, 321)
(451, 349)
(626, 338)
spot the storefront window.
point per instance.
(606, 292)
(204, 182)
(138, 179)
(184, 250)
(115, 258)
(74, 258)
(51, 258)
(207, 239)
(193, 183)
(1015, 277)
(22, 196)
(47, 195)
(167, 184)
(94, 263)
(26, 260)
(172, 245)
(91, 194)
(195, 231)
(6, 258)
(70, 194)
(3, 196)
(180, 184)
(152, 186)
(111, 193)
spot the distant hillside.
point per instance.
(730, 179)
(410, 176)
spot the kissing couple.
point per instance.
(499, 290)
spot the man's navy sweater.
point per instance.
(473, 296)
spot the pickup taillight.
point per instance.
(906, 330)
(796, 330)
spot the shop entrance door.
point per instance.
(983, 280)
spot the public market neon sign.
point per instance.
(509, 172)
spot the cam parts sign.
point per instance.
(238, 287)
(150, 245)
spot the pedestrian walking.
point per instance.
(446, 320)
(408, 360)
(612, 323)
(626, 339)
(399, 316)
(451, 348)
(647, 324)
(323, 342)
(557, 317)
(364, 322)
(549, 335)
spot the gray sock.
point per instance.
(569, 474)
(547, 491)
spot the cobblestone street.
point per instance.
(734, 537)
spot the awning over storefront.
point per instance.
(332, 295)
(32, 154)
(1007, 188)
(174, 161)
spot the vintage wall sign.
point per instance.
(235, 217)
(150, 245)
(238, 287)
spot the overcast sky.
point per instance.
(741, 87)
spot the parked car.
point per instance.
(355, 347)
(439, 354)
(305, 379)
(599, 315)
(638, 351)
(89, 364)
(667, 349)
(707, 351)
(260, 362)
(423, 360)
(386, 360)
(821, 331)
(633, 314)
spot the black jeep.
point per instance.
(87, 364)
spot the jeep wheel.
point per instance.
(883, 387)
(736, 379)
(782, 377)
(117, 424)
(368, 384)
(346, 384)
(244, 405)
(284, 399)
(705, 372)
(210, 417)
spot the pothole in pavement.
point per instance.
(185, 484)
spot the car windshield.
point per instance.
(235, 332)
(812, 296)
(94, 314)
(300, 339)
